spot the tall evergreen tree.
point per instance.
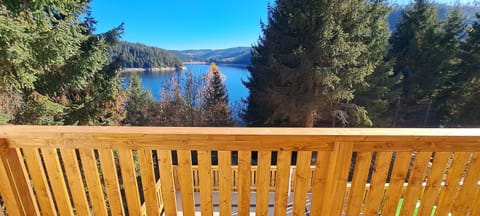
(215, 108)
(310, 56)
(139, 102)
(465, 107)
(57, 65)
(425, 52)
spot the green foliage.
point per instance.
(215, 108)
(425, 52)
(309, 58)
(139, 102)
(135, 55)
(61, 69)
(39, 110)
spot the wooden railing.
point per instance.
(114, 170)
(215, 178)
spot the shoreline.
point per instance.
(155, 69)
(170, 69)
(218, 63)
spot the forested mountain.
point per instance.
(136, 55)
(236, 55)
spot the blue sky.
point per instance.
(186, 24)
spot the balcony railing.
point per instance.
(129, 171)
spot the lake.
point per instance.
(234, 74)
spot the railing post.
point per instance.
(19, 196)
(337, 175)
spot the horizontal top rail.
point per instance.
(204, 138)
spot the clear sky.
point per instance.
(187, 24)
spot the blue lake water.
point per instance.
(234, 75)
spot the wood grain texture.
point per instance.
(204, 165)
(302, 176)
(417, 177)
(337, 178)
(248, 139)
(449, 191)
(263, 182)
(466, 194)
(39, 181)
(434, 183)
(320, 182)
(145, 159)
(282, 183)
(74, 178)
(19, 175)
(244, 164)
(111, 178)
(167, 185)
(185, 181)
(226, 182)
(377, 185)
(92, 178)
(129, 177)
(397, 182)
(7, 190)
(359, 181)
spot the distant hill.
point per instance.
(236, 55)
(136, 55)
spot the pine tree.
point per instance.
(215, 108)
(425, 53)
(139, 102)
(55, 62)
(310, 57)
(465, 108)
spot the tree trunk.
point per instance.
(427, 113)
(394, 123)
(309, 119)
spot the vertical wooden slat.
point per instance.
(57, 181)
(448, 192)
(476, 211)
(320, 181)
(414, 188)
(129, 177)
(377, 185)
(466, 195)
(225, 169)
(167, 185)
(337, 178)
(148, 181)
(74, 178)
(39, 179)
(185, 180)
(302, 176)
(282, 182)
(110, 177)
(434, 183)
(7, 191)
(359, 180)
(397, 181)
(263, 180)
(205, 168)
(92, 178)
(244, 165)
(18, 177)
